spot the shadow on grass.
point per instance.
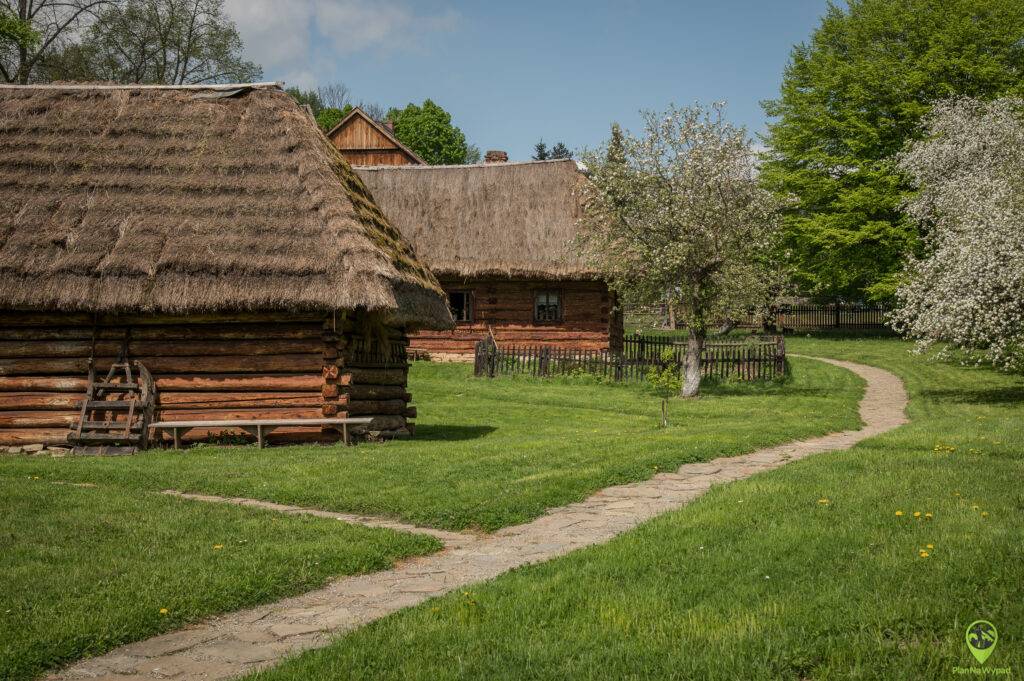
(980, 396)
(430, 433)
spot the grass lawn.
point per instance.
(759, 579)
(84, 569)
(490, 453)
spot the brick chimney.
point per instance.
(495, 156)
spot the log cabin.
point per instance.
(498, 236)
(365, 142)
(203, 253)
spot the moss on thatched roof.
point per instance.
(186, 200)
(507, 219)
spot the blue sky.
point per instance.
(512, 72)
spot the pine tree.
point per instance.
(540, 151)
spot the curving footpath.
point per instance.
(242, 641)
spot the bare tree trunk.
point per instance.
(671, 316)
(691, 364)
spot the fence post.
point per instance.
(780, 355)
(492, 357)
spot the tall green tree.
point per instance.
(560, 151)
(851, 99)
(174, 42)
(428, 131)
(37, 29)
(540, 151)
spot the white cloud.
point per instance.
(280, 35)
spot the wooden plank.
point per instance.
(238, 382)
(30, 436)
(231, 400)
(63, 384)
(40, 401)
(38, 419)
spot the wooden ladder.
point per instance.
(116, 411)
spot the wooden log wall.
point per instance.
(204, 367)
(590, 319)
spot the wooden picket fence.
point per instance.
(751, 359)
(798, 317)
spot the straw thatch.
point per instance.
(506, 219)
(187, 200)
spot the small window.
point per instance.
(461, 304)
(547, 307)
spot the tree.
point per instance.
(334, 95)
(967, 288)
(310, 98)
(540, 151)
(679, 210)
(560, 151)
(428, 131)
(174, 42)
(850, 100)
(52, 25)
(329, 117)
(473, 154)
(16, 33)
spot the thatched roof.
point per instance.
(505, 219)
(191, 199)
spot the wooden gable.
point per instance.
(364, 142)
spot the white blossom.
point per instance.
(967, 288)
(677, 212)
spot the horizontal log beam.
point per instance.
(167, 365)
(40, 401)
(239, 382)
(63, 384)
(190, 414)
(378, 392)
(37, 419)
(375, 407)
(379, 376)
(33, 436)
(81, 348)
(237, 400)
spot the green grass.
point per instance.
(84, 569)
(491, 453)
(757, 579)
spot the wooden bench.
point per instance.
(257, 427)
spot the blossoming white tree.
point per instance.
(678, 211)
(967, 289)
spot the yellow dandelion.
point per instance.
(924, 554)
(218, 547)
(163, 611)
(917, 514)
(823, 501)
(899, 513)
(984, 514)
(974, 507)
(928, 515)
(930, 546)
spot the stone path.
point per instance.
(242, 641)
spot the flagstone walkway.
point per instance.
(240, 642)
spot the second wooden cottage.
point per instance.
(202, 250)
(499, 238)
